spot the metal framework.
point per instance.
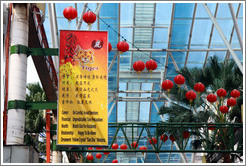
(130, 76)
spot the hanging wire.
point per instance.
(123, 38)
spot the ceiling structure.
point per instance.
(176, 35)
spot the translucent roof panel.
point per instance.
(151, 28)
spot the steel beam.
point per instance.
(169, 41)
(81, 16)
(232, 32)
(133, 34)
(111, 109)
(238, 62)
(143, 75)
(113, 60)
(157, 109)
(239, 36)
(211, 35)
(176, 67)
(135, 26)
(191, 30)
(53, 31)
(153, 29)
(179, 50)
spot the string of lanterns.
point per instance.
(89, 17)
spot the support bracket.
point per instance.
(21, 49)
(20, 104)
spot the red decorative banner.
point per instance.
(83, 88)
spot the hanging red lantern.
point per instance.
(199, 87)
(115, 146)
(89, 157)
(221, 93)
(211, 98)
(89, 17)
(164, 137)
(186, 134)
(190, 95)
(167, 85)
(138, 66)
(211, 127)
(151, 65)
(231, 102)
(235, 93)
(179, 80)
(99, 148)
(123, 146)
(70, 13)
(134, 145)
(115, 161)
(153, 140)
(98, 156)
(122, 46)
(109, 47)
(106, 153)
(142, 148)
(171, 137)
(224, 109)
(90, 148)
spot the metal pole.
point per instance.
(53, 31)
(238, 62)
(239, 36)
(6, 74)
(18, 74)
(48, 136)
(81, 16)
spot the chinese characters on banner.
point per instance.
(83, 88)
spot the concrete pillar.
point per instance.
(17, 74)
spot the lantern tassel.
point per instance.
(69, 24)
(151, 74)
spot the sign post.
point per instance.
(83, 88)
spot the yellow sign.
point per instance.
(83, 88)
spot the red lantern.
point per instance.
(211, 98)
(199, 87)
(89, 157)
(142, 148)
(90, 148)
(98, 156)
(123, 146)
(223, 109)
(106, 153)
(122, 46)
(211, 127)
(164, 137)
(167, 85)
(138, 66)
(190, 95)
(154, 140)
(70, 13)
(186, 134)
(151, 65)
(89, 17)
(179, 80)
(109, 47)
(115, 161)
(231, 102)
(99, 148)
(134, 145)
(115, 146)
(235, 93)
(221, 93)
(171, 137)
